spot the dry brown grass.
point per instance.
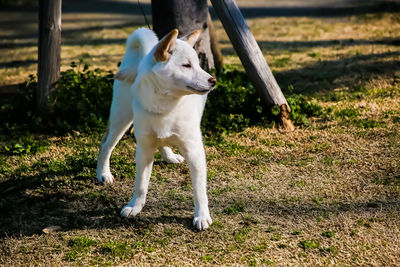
(272, 195)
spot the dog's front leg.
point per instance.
(196, 158)
(144, 162)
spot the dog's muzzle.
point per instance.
(212, 81)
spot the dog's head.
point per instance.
(177, 66)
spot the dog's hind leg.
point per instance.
(145, 149)
(169, 156)
(119, 122)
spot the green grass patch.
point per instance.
(347, 113)
(296, 232)
(119, 249)
(329, 250)
(235, 208)
(240, 235)
(328, 234)
(314, 54)
(309, 244)
(276, 237)
(26, 145)
(260, 248)
(80, 245)
(393, 180)
(281, 62)
(207, 258)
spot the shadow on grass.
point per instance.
(68, 195)
(354, 71)
(70, 198)
(134, 9)
(299, 46)
(325, 75)
(91, 6)
(347, 8)
(70, 38)
(322, 10)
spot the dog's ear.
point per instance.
(192, 37)
(164, 46)
(125, 75)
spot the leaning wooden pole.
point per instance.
(252, 58)
(48, 51)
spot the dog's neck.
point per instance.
(148, 93)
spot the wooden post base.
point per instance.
(284, 123)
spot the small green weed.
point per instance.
(228, 147)
(281, 62)
(260, 248)
(300, 183)
(276, 237)
(368, 123)
(267, 262)
(26, 145)
(79, 246)
(221, 190)
(150, 249)
(117, 249)
(282, 245)
(328, 234)
(82, 243)
(351, 116)
(353, 232)
(296, 232)
(240, 235)
(362, 222)
(270, 229)
(314, 54)
(317, 200)
(393, 180)
(175, 195)
(347, 113)
(308, 244)
(207, 258)
(235, 208)
(329, 250)
(211, 174)
(319, 147)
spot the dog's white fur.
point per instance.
(162, 84)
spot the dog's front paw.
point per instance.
(130, 211)
(202, 222)
(106, 178)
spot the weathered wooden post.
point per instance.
(252, 58)
(49, 51)
(215, 49)
(186, 16)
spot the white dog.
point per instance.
(161, 85)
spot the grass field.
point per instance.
(326, 194)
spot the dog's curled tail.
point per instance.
(138, 44)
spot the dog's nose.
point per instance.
(212, 80)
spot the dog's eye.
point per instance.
(188, 65)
